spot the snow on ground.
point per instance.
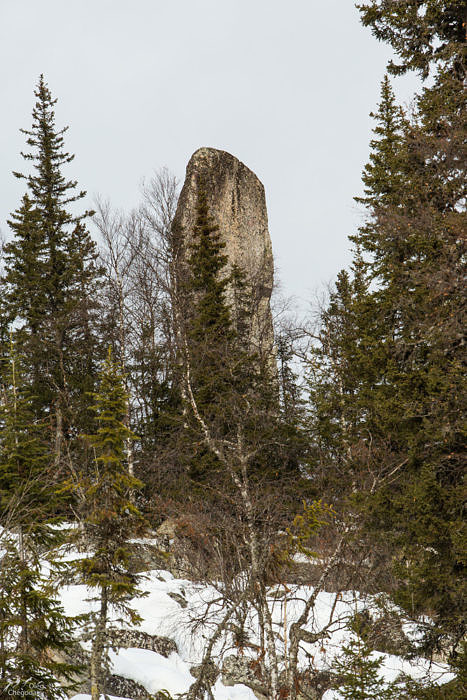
(163, 616)
(236, 692)
(152, 670)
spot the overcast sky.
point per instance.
(287, 87)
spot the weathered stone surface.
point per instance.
(134, 639)
(211, 672)
(178, 598)
(174, 548)
(237, 669)
(126, 688)
(310, 685)
(237, 204)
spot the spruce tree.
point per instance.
(110, 519)
(28, 497)
(210, 322)
(234, 387)
(291, 418)
(208, 331)
(420, 269)
(358, 674)
(385, 179)
(404, 361)
(50, 279)
(227, 376)
(333, 379)
(33, 625)
(34, 631)
(371, 321)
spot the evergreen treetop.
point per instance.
(421, 32)
(51, 281)
(383, 175)
(47, 235)
(50, 195)
(50, 190)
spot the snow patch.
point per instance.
(152, 670)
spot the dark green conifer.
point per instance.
(234, 388)
(417, 262)
(407, 350)
(34, 631)
(50, 280)
(27, 492)
(421, 32)
(32, 622)
(110, 519)
(209, 319)
(208, 328)
(358, 674)
(383, 175)
(385, 178)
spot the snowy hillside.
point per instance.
(170, 606)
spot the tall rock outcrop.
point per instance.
(237, 204)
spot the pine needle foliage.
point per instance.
(232, 386)
(33, 625)
(208, 331)
(358, 674)
(209, 327)
(388, 379)
(28, 496)
(51, 279)
(110, 520)
(421, 32)
(35, 633)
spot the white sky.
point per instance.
(285, 86)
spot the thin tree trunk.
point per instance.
(198, 685)
(97, 652)
(24, 634)
(271, 646)
(256, 573)
(58, 435)
(296, 631)
(233, 455)
(122, 340)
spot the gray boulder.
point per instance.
(236, 669)
(129, 639)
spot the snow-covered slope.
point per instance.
(165, 613)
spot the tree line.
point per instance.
(133, 391)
